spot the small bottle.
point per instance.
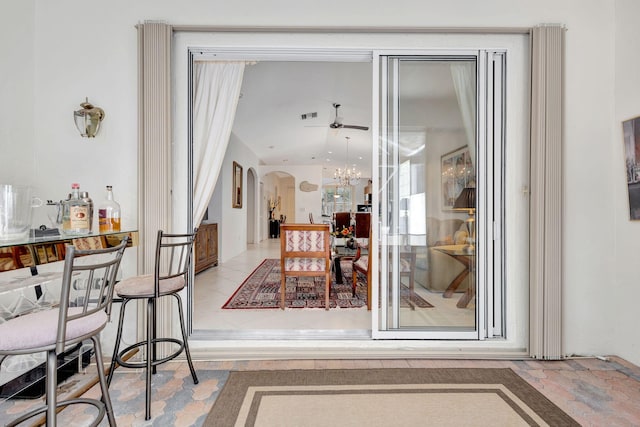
(84, 195)
(66, 225)
(109, 214)
(76, 221)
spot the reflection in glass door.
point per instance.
(433, 176)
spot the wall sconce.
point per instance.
(88, 119)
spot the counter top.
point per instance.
(42, 250)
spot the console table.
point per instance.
(22, 292)
(34, 251)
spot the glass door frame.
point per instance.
(489, 182)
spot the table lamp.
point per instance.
(466, 201)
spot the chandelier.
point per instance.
(348, 175)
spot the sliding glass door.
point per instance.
(440, 195)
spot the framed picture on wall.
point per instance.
(457, 172)
(631, 136)
(237, 185)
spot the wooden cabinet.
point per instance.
(206, 247)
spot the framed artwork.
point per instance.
(631, 136)
(237, 185)
(457, 172)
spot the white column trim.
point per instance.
(154, 154)
(547, 55)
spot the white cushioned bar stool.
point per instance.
(173, 258)
(82, 313)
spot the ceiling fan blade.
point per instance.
(337, 122)
(354, 127)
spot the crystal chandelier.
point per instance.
(348, 175)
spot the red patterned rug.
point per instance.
(262, 290)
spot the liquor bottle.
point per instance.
(84, 195)
(109, 214)
(65, 214)
(76, 220)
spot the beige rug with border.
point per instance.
(383, 397)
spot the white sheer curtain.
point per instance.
(464, 82)
(216, 92)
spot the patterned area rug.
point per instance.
(262, 290)
(383, 397)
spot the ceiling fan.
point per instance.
(337, 122)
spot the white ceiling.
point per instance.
(274, 95)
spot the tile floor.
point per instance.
(214, 286)
(594, 392)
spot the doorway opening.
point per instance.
(294, 158)
(238, 143)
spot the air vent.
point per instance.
(308, 116)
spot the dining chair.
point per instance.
(83, 312)
(172, 262)
(341, 220)
(305, 251)
(362, 227)
(362, 264)
(408, 269)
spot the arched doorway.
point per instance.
(280, 193)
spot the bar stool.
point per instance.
(83, 312)
(173, 258)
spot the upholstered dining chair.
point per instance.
(362, 264)
(305, 251)
(82, 313)
(172, 262)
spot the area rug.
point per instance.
(262, 290)
(383, 397)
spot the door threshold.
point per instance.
(280, 334)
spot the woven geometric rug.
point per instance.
(262, 290)
(383, 397)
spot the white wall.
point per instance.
(232, 239)
(17, 130)
(624, 287)
(66, 32)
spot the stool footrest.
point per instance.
(143, 364)
(98, 404)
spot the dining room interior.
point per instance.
(307, 127)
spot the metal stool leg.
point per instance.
(184, 339)
(52, 384)
(103, 381)
(117, 343)
(150, 356)
(154, 336)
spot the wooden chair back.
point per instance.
(362, 231)
(342, 220)
(305, 250)
(362, 264)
